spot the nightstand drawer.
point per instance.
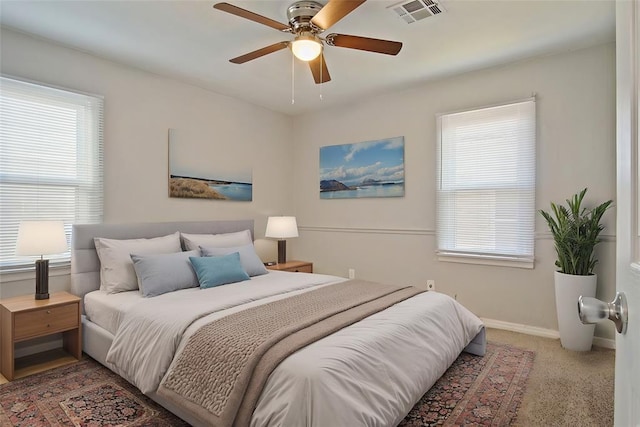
(303, 269)
(45, 321)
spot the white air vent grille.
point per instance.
(415, 10)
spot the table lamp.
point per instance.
(41, 238)
(281, 228)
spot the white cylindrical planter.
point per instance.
(573, 334)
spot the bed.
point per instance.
(370, 372)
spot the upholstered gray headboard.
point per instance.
(85, 265)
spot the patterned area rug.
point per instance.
(84, 394)
(478, 391)
(481, 391)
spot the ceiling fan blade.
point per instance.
(334, 11)
(319, 70)
(260, 52)
(387, 47)
(235, 10)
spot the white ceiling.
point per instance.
(191, 41)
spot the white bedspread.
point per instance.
(370, 373)
(148, 336)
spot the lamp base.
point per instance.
(42, 279)
(282, 251)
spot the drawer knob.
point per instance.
(48, 325)
(48, 311)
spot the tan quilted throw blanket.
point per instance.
(220, 373)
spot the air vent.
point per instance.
(416, 10)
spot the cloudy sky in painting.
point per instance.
(351, 164)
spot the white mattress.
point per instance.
(107, 310)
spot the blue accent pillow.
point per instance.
(218, 270)
(248, 257)
(162, 273)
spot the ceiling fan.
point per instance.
(307, 20)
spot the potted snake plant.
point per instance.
(576, 232)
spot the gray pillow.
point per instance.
(159, 274)
(248, 258)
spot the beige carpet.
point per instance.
(565, 388)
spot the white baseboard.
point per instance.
(604, 342)
(540, 332)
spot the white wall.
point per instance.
(383, 239)
(140, 107)
(393, 239)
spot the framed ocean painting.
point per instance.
(363, 169)
(196, 175)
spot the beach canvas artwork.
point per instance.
(194, 175)
(363, 169)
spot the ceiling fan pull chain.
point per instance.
(321, 68)
(293, 80)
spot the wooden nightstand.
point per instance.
(23, 318)
(297, 266)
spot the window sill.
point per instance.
(498, 261)
(16, 276)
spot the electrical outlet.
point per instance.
(352, 273)
(431, 285)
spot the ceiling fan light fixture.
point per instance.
(306, 47)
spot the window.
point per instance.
(486, 185)
(50, 162)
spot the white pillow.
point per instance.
(116, 268)
(192, 242)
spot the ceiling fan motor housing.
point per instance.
(300, 13)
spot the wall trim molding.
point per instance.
(545, 235)
(406, 231)
(540, 332)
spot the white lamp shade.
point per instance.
(281, 227)
(41, 238)
(306, 48)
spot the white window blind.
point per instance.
(486, 183)
(50, 162)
